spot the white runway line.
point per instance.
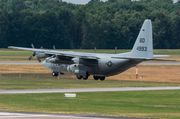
(86, 90)
(20, 63)
(5, 115)
(16, 115)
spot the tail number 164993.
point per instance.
(141, 48)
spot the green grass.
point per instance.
(45, 81)
(144, 104)
(167, 51)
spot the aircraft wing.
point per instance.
(60, 54)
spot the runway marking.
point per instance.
(21, 115)
(86, 90)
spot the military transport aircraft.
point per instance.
(99, 65)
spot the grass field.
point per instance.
(166, 74)
(45, 81)
(144, 104)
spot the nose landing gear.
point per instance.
(54, 73)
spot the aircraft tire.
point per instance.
(96, 77)
(85, 77)
(54, 73)
(79, 77)
(102, 78)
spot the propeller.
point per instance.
(30, 58)
(34, 54)
(32, 45)
(39, 59)
(54, 47)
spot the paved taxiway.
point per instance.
(25, 115)
(86, 90)
(37, 63)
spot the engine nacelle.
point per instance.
(41, 55)
(61, 61)
(74, 68)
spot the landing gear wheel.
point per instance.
(85, 77)
(79, 77)
(96, 77)
(102, 78)
(54, 73)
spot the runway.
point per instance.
(20, 63)
(86, 90)
(25, 115)
(37, 63)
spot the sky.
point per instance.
(86, 1)
(79, 1)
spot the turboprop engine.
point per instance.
(75, 68)
(56, 60)
(39, 55)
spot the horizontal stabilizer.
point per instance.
(163, 60)
(161, 56)
(131, 58)
(142, 58)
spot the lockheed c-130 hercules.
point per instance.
(99, 65)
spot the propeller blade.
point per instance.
(39, 59)
(32, 45)
(30, 58)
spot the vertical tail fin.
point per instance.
(143, 47)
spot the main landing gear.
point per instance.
(102, 78)
(84, 77)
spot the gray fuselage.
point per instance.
(104, 66)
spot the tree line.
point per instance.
(101, 24)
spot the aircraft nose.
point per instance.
(44, 63)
